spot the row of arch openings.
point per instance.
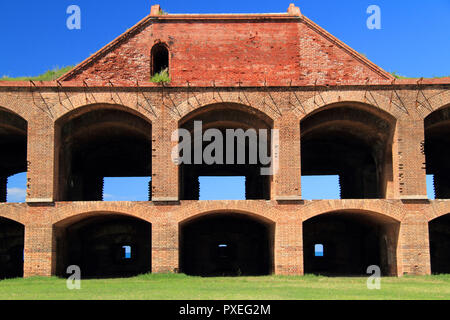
(342, 243)
(350, 141)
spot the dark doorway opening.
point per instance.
(105, 246)
(437, 151)
(350, 242)
(106, 142)
(353, 143)
(440, 244)
(226, 245)
(11, 249)
(13, 160)
(240, 154)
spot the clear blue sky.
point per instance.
(414, 41)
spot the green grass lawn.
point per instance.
(181, 287)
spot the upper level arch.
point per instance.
(14, 146)
(84, 102)
(241, 135)
(230, 115)
(373, 102)
(250, 101)
(17, 107)
(437, 154)
(437, 102)
(99, 141)
(353, 141)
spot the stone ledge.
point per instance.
(39, 200)
(288, 198)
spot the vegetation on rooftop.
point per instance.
(161, 77)
(397, 76)
(50, 75)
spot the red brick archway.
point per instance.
(103, 245)
(354, 141)
(352, 240)
(13, 143)
(11, 248)
(437, 154)
(439, 232)
(222, 117)
(99, 141)
(226, 244)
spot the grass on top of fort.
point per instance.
(182, 287)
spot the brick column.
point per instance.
(409, 160)
(287, 179)
(41, 160)
(288, 258)
(39, 250)
(414, 255)
(165, 247)
(164, 170)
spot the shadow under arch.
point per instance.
(97, 141)
(352, 241)
(247, 124)
(12, 235)
(437, 153)
(354, 141)
(13, 143)
(226, 243)
(372, 101)
(439, 232)
(103, 245)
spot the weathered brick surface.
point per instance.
(250, 49)
(214, 54)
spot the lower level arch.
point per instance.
(350, 242)
(103, 245)
(439, 232)
(11, 248)
(226, 244)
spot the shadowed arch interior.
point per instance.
(439, 230)
(11, 248)
(223, 116)
(351, 141)
(226, 244)
(437, 150)
(102, 142)
(352, 241)
(13, 143)
(98, 245)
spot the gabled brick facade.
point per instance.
(226, 49)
